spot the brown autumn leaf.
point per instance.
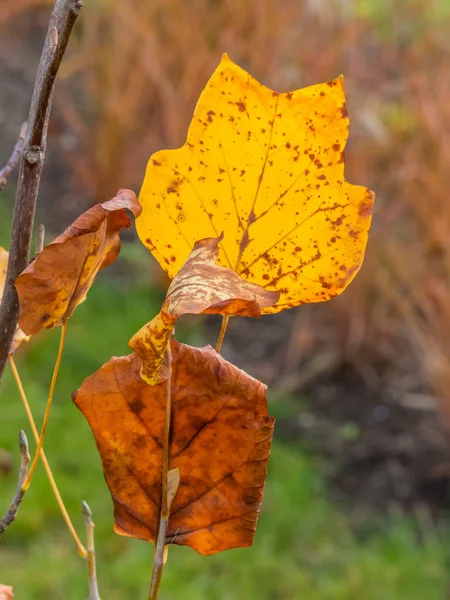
(267, 169)
(57, 281)
(19, 335)
(200, 286)
(220, 442)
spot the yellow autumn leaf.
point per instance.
(267, 170)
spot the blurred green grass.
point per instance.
(305, 547)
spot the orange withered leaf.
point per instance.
(220, 442)
(267, 169)
(19, 335)
(57, 281)
(200, 286)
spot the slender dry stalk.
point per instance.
(40, 443)
(90, 545)
(20, 492)
(81, 549)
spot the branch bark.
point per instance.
(62, 20)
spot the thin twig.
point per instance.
(26, 483)
(62, 20)
(40, 238)
(14, 158)
(18, 496)
(81, 549)
(92, 571)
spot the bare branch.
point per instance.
(14, 158)
(92, 572)
(18, 496)
(62, 20)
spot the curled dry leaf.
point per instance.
(200, 286)
(267, 169)
(19, 335)
(220, 442)
(57, 281)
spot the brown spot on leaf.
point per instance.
(325, 284)
(365, 210)
(137, 405)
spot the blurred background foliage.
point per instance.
(358, 490)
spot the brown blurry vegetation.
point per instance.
(129, 87)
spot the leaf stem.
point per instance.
(81, 549)
(222, 333)
(92, 571)
(27, 481)
(158, 557)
